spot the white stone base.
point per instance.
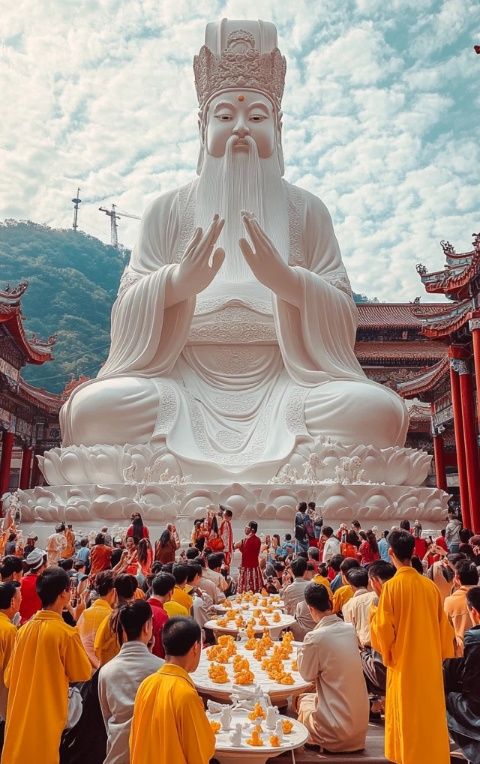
(271, 505)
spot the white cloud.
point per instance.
(379, 117)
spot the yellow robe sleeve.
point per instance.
(198, 738)
(383, 629)
(77, 663)
(447, 632)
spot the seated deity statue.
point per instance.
(232, 336)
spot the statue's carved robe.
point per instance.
(235, 378)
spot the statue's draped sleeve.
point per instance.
(317, 337)
(146, 337)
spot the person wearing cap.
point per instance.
(31, 603)
(10, 599)
(48, 655)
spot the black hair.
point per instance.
(194, 569)
(317, 596)
(104, 582)
(288, 537)
(327, 531)
(51, 584)
(215, 560)
(84, 542)
(302, 506)
(336, 562)
(179, 635)
(372, 540)
(142, 550)
(402, 544)
(358, 578)
(314, 553)
(253, 526)
(192, 553)
(66, 564)
(79, 564)
(352, 537)
(137, 526)
(10, 565)
(467, 573)
(7, 592)
(405, 525)
(464, 535)
(323, 569)
(125, 585)
(348, 563)
(180, 571)
(131, 619)
(381, 569)
(311, 505)
(473, 598)
(417, 564)
(164, 538)
(99, 538)
(356, 524)
(163, 583)
(298, 566)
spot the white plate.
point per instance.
(296, 738)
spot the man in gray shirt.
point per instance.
(120, 678)
(293, 593)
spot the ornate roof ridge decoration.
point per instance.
(408, 350)
(12, 295)
(51, 402)
(449, 321)
(35, 349)
(240, 66)
(425, 381)
(459, 270)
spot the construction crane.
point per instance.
(114, 214)
(76, 203)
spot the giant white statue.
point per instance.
(233, 331)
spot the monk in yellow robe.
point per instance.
(10, 599)
(412, 633)
(47, 656)
(105, 644)
(169, 721)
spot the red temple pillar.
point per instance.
(37, 477)
(26, 469)
(6, 461)
(471, 443)
(439, 456)
(459, 443)
(474, 325)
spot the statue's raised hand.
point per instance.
(266, 263)
(198, 267)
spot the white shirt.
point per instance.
(118, 682)
(331, 548)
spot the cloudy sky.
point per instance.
(381, 117)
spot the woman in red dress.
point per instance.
(368, 550)
(250, 577)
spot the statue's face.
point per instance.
(241, 114)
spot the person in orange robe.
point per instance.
(413, 635)
(169, 721)
(47, 656)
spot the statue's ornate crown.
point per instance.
(239, 66)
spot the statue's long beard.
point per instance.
(238, 181)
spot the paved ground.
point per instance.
(373, 753)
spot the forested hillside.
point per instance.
(73, 279)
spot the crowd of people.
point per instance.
(99, 635)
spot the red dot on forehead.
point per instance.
(241, 97)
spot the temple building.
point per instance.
(450, 386)
(391, 348)
(28, 415)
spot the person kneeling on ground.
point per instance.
(462, 686)
(336, 715)
(169, 721)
